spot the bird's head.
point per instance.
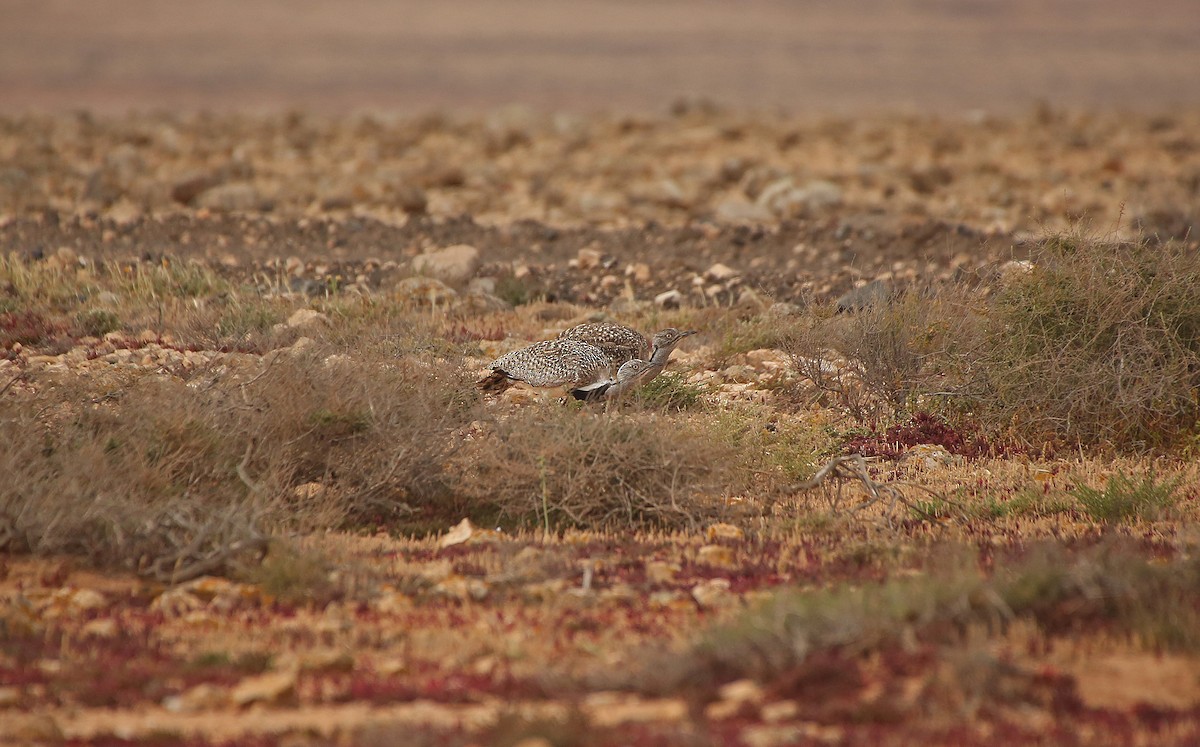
(670, 337)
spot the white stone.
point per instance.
(454, 264)
(671, 299)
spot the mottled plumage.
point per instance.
(618, 342)
(551, 363)
(637, 372)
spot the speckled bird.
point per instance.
(575, 365)
(618, 342)
(638, 371)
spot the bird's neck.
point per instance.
(659, 359)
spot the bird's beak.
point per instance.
(689, 332)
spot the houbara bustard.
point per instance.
(587, 360)
(637, 371)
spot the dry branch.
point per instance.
(854, 467)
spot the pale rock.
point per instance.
(865, 296)
(234, 197)
(661, 571)
(205, 592)
(338, 360)
(458, 535)
(724, 531)
(783, 198)
(739, 373)
(104, 627)
(124, 212)
(308, 491)
(477, 300)
(713, 593)
(70, 601)
(424, 291)
(307, 319)
(742, 691)
(671, 299)
(301, 345)
(741, 211)
(639, 271)
(485, 285)
(748, 297)
(454, 264)
(272, 687)
(766, 360)
(720, 272)
(588, 258)
(734, 698)
(723, 710)
(392, 602)
(203, 697)
(779, 710)
(609, 709)
(931, 456)
(1015, 269)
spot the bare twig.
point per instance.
(854, 467)
(241, 469)
(12, 381)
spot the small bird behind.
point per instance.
(617, 341)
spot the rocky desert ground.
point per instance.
(925, 474)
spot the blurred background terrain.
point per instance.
(407, 55)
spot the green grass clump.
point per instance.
(1123, 498)
(670, 391)
(1032, 502)
(290, 574)
(755, 333)
(97, 322)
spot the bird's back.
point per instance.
(618, 342)
(558, 362)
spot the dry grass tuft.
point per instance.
(563, 466)
(1099, 344)
(881, 361)
(180, 478)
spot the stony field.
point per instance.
(250, 493)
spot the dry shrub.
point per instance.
(1099, 342)
(140, 475)
(179, 478)
(238, 322)
(879, 361)
(562, 466)
(373, 431)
